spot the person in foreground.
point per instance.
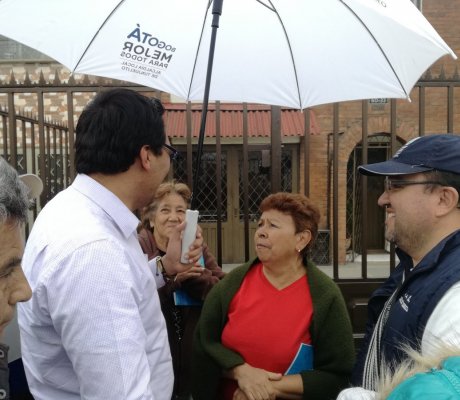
(159, 218)
(275, 327)
(417, 306)
(435, 377)
(14, 288)
(94, 328)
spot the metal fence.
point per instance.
(37, 143)
(34, 139)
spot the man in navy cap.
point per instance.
(417, 306)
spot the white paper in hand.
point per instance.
(191, 216)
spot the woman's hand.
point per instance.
(255, 382)
(288, 387)
(171, 260)
(192, 272)
(239, 395)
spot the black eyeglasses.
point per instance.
(392, 185)
(173, 153)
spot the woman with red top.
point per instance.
(158, 220)
(275, 327)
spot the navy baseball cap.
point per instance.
(422, 154)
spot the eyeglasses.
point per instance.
(173, 153)
(392, 185)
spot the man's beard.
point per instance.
(405, 237)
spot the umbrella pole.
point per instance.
(216, 12)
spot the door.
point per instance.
(379, 149)
(232, 195)
(258, 187)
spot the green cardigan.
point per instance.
(331, 335)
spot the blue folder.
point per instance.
(182, 298)
(303, 360)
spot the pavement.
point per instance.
(378, 266)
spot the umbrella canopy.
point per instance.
(296, 53)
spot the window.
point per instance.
(11, 50)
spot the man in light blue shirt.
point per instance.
(94, 328)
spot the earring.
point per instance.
(298, 250)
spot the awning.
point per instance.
(231, 121)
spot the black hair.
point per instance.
(114, 127)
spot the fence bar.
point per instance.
(188, 119)
(306, 152)
(393, 130)
(41, 144)
(364, 233)
(276, 148)
(450, 109)
(335, 190)
(246, 181)
(70, 154)
(219, 184)
(12, 123)
(421, 111)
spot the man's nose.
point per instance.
(384, 199)
(21, 290)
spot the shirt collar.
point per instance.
(431, 259)
(116, 210)
(403, 270)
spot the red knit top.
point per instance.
(265, 325)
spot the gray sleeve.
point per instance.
(4, 372)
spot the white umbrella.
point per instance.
(294, 53)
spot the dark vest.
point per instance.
(417, 298)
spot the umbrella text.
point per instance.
(145, 52)
(140, 69)
(144, 60)
(151, 40)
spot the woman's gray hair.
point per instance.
(14, 201)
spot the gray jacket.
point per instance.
(4, 373)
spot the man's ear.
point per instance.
(145, 157)
(448, 200)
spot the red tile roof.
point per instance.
(231, 120)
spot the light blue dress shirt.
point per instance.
(93, 328)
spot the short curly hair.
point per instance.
(305, 214)
(165, 189)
